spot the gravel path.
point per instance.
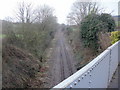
(61, 62)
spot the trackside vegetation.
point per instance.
(115, 36)
(90, 27)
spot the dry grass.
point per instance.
(84, 55)
(18, 67)
(104, 40)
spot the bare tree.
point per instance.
(28, 13)
(45, 16)
(9, 19)
(42, 12)
(82, 9)
(21, 12)
(25, 12)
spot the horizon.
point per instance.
(61, 13)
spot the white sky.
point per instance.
(62, 7)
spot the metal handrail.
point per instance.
(87, 76)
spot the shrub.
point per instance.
(91, 25)
(104, 40)
(89, 28)
(115, 36)
(31, 37)
(108, 22)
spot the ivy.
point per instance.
(108, 21)
(91, 25)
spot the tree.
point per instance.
(25, 13)
(45, 17)
(90, 26)
(42, 12)
(9, 19)
(82, 9)
(35, 29)
(28, 13)
(108, 21)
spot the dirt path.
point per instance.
(61, 62)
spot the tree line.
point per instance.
(87, 23)
(91, 19)
(34, 29)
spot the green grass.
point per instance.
(2, 35)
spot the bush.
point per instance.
(104, 40)
(108, 21)
(91, 25)
(89, 28)
(115, 36)
(30, 37)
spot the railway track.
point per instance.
(65, 58)
(62, 67)
(69, 64)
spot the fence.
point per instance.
(98, 73)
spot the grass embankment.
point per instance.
(24, 54)
(2, 35)
(19, 68)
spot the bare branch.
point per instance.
(82, 9)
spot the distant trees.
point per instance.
(43, 12)
(45, 17)
(27, 14)
(81, 9)
(21, 12)
(34, 30)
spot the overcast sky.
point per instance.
(62, 7)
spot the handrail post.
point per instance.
(109, 66)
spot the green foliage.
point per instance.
(91, 25)
(115, 36)
(69, 30)
(33, 38)
(108, 21)
(2, 36)
(89, 28)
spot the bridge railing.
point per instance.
(96, 74)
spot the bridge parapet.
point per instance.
(96, 74)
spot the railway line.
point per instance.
(62, 64)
